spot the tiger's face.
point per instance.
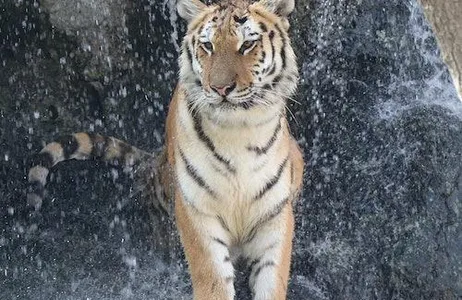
(236, 58)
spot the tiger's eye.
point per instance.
(207, 46)
(248, 44)
(245, 46)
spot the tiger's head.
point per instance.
(237, 64)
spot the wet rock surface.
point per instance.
(99, 28)
(379, 122)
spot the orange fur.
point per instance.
(284, 268)
(206, 283)
(230, 164)
(224, 68)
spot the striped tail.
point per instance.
(81, 146)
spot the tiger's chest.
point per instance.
(222, 174)
(239, 199)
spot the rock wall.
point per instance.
(379, 122)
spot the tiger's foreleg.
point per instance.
(268, 256)
(205, 244)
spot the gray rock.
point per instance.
(384, 151)
(98, 26)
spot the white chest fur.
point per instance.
(238, 174)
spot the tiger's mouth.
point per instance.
(233, 102)
(227, 103)
(245, 100)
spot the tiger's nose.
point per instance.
(223, 90)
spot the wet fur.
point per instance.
(229, 164)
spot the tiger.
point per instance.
(230, 166)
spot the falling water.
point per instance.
(379, 122)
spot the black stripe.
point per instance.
(227, 259)
(263, 27)
(220, 241)
(266, 264)
(245, 94)
(247, 104)
(208, 142)
(191, 204)
(189, 53)
(273, 51)
(99, 144)
(284, 45)
(193, 173)
(269, 144)
(69, 144)
(200, 29)
(254, 262)
(281, 34)
(223, 223)
(124, 149)
(240, 20)
(188, 50)
(222, 6)
(44, 159)
(152, 205)
(36, 187)
(242, 50)
(283, 57)
(245, 88)
(266, 218)
(271, 246)
(276, 80)
(263, 55)
(272, 182)
(273, 69)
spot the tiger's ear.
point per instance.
(282, 8)
(189, 9)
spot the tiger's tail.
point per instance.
(80, 146)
